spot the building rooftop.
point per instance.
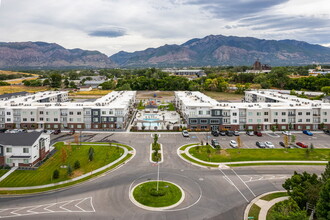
(19, 139)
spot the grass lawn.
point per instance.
(207, 153)
(94, 92)
(185, 146)
(2, 172)
(254, 211)
(103, 154)
(274, 196)
(226, 96)
(197, 162)
(145, 194)
(21, 88)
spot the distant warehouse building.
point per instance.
(51, 110)
(23, 149)
(261, 110)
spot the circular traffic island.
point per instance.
(146, 196)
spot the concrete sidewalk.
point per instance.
(8, 173)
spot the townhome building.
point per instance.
(52, 110)
(23, 149)
(260, 110)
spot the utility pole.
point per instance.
(157, 175)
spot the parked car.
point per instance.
(71, 132)
(215, 133)
(300, 144)
(250, 133)
(282, 144)
(309, 133)
(215, 143)
(288, 133)
(260, 144)
(258, 133)
(326, 132)
(233, 144)
(269, 144)
(229, 133)
(236, 133)
(3, 130)
(185, 133)
(222, 133)
(57, 131)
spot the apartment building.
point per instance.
(261, 110)
(23, 149)
(51, 110)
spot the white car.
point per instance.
(233, 144)
(288, 133)
(185, 133)
(269, 144)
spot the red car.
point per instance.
(301, 145)
(258, 133)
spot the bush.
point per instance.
(69, 171)
(56, 174)
(76, 164)
(91, 154)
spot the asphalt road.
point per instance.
(210, 194)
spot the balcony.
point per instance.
(64, 114)
(317, 115)
(292, 114)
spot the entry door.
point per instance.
(214, 127)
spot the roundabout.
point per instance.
(157, 195)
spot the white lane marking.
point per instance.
(91, 200)
(255, 178)
(77, 205)
(228, 180)
(244, 183)
(235, 187)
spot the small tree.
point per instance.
(286, 140)
(323, 205)
(311, 147)
(69, 170)
(326, 174)
(76, 164)
(293, 138)
(56, 174)
(91, 154)
(239, 142)
(168, 126)
(287, 210)
(143, 127)
(64, 155)
(155, 138)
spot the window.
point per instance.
(70, 113)
(325, 120)
(71, 126)
(308, 113)
(78, 126)
(324, 113)
(25, 150)
(71, 119)
(308, 127)
(47, 113)
(203, 127)
(208, 112)
(78, 113)
(283, 113)
(299, 113)
(31, 113)
(283, 120)
(203, 121)
(95, 120)
(87, 112)
(55, 126)
(283, 127)
(55, 119)
(104, 125)
(266, 120)
(250, 113)
(250, 120)
(275, 113)
(78, 119)
(104, 112)
(193, 121)
(8, 150)
(265, 113)
(87, 126)
(214, 121)
(24, 119)
(41, 112)
(275, 120)
(258, 113)
(26, 161)
(41, 119)
(299, 127)
(8, 113)
(104, 119)
(225, 120)
(235, 121)
(8, 160)
(299, 120)
(95, 113)
(96, 126)
(110, 112)
(8, 120)
(259, 120)
(200, 112)
(47, 119)
(234, 113)
(308, 120)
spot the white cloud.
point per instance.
(110, 25)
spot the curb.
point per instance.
(161, 153)
(131, 197)
(248, 207)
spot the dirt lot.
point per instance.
(163, 95)
(224, 96)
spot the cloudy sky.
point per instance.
(114, 25)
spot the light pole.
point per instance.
(157, 175)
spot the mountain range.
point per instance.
(213, 50)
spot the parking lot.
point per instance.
(319, 140)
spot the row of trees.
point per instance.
(307, 192)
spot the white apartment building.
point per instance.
(51, 110)
(261, 110)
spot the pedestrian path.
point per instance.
(266, 205)
(8, 173)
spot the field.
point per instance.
(159, 94)
(224, 96)
(207, 153)
(95, 92)
(19, 81)
(21, 88)
(104, 154)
